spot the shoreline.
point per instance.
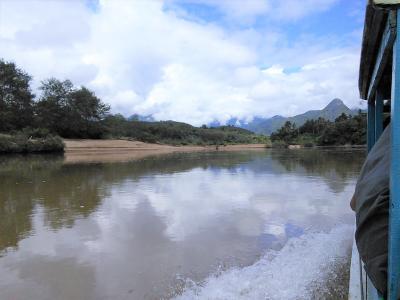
(85, 150)
(121, 150)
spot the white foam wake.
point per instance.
(302, 266)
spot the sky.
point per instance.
(195, 61)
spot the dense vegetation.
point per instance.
(28, 141)
(18, 115)
(70, 112)
(176, 133)
(345, 130)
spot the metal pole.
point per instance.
(371, 125)
(378, 114)
(394, 207)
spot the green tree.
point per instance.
(52, 109)
(86, 113)
(287, 133)
(116, 125)
(344, 130)
(16, 98)
(71, 112)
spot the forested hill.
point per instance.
(269, 125)
(177, 133)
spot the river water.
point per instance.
(271, 224)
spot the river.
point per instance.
(271, 224)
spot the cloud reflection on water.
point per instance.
(127, 230)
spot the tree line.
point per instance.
(345, 130)
(61, 108)
(67, 111)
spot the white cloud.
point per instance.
(144, 59)
(43, 37)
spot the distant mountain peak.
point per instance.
(278, 117)
(335, 103)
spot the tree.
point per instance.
(86, 113)
(117, 125)
(344, 130)
(341, 118)
(287, 133)
(52, 109)
(71, 112)
(16, 98)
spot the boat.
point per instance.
(379, 81)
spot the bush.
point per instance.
(22, 143)
(279, 144)
(36, 132)
(7, 144)
(309, 145)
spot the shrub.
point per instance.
(309, 145)
(36, 132)
(279, 144)
(21, 143)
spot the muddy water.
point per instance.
(243, 225)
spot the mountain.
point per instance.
(333, 110)
(268, 125)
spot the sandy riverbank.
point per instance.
(123, 150)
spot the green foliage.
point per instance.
(16, 98)
(176, 133)
(36, 132)
(345, 130)
(23, 143)
(287, 133)
(71, 112)
(279, 144)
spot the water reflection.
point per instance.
(332, 165)
(68, 192)
(132, 230)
